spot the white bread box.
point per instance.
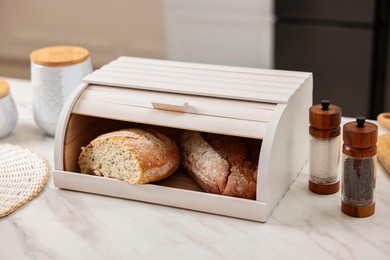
(170, 96)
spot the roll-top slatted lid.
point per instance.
(251, 84)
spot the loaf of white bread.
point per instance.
(221, 164)
(132, 155)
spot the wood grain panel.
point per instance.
(107, 28)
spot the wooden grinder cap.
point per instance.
(360, 138)
(58, 56)
(4, 88)
(325, 120)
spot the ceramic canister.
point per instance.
(55, 72)
(8, 111)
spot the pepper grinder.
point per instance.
(324, 160)
(359, 168)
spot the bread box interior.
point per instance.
(170, 97)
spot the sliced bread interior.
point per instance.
(132, 155)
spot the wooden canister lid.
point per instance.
(4, 88)
(360, 138)
(325, 120)
(58, 56)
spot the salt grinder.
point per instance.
(324, 158)
(359, 168)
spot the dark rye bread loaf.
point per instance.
(221, 164)
(132, 155)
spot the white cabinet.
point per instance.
(228, 32)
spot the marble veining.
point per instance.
(61, 224)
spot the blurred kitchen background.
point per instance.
(345, 43)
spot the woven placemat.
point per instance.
(23, 174)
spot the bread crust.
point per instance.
(156, 156)
(221, 164)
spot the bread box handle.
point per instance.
(170, 104)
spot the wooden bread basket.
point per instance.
(170, 96)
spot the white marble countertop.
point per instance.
(61, 224)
